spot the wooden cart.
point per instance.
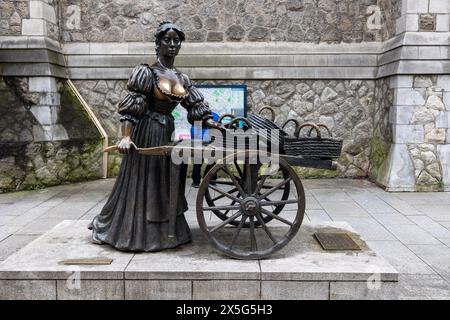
(247, 208)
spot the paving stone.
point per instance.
(411, 234)
(435, 211)
(400, 257)
(4, 219)
(28, 290)
(369, 229)
(295, 290)
(370, 202)
(437, 256)
(14, 243)
(40, 226)
(414, 286)
(225, 289)
(335, 195)
(432, 227)
(318, 215)
(392, 218)
(158, 290)
(73, 289)
(339, 210)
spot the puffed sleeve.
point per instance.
(134, 105)
(198, 109)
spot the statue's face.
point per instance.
(170, 44)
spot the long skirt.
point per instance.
(135, 217)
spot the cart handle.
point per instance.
(321, 125)
(225, 115)
(271, 111)
(296, 125)
(236, 119)
(313, 126)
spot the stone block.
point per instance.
(75, 289)
(407, 22)
(50, 99)
(415, 6)
(401, 114)
(226, 290)
(427, 22)
(34, 27)
(430, 53)
(27, 290)
(42, 84)
(363, 290)
(401, 81)
(443, 22)
(45, 115)
(42, 10)
(439, 6)
(295, 290)
(408, 134)
(446, 100)
(443, 82)
(444, 157)
(443, 120)
(408, 97)
(400, 168)
(53, 132)
(158, 290)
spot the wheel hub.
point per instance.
(250, 206)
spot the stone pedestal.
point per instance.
(302, 270)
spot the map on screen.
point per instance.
(221, 99)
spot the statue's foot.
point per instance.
(95, 241)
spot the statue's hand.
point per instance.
(210, 123)
(124, 145)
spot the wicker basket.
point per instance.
(266, 128)
(312, 147)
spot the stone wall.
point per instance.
(419, 156)
(332, 21)
(27, 159)
(346, 107)
(11, 15)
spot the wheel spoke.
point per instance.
(253, 243)
(273, 189)
(238, 231)
(224, 193)
(276, 217)
(248, 179)
(277, 203)
(230, 207)
(260, 184)
(222, 196)
(238, 169)
(228, 210)
(236, 183)
(263, 224)
(225, 222)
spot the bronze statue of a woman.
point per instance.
(135, 217)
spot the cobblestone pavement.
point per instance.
(410, 230)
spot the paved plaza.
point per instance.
(410, 230)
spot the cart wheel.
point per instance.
(212, 197)
(252, 205)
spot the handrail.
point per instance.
(98, 125)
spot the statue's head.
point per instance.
(168, 38)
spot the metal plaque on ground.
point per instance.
(336, 241)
